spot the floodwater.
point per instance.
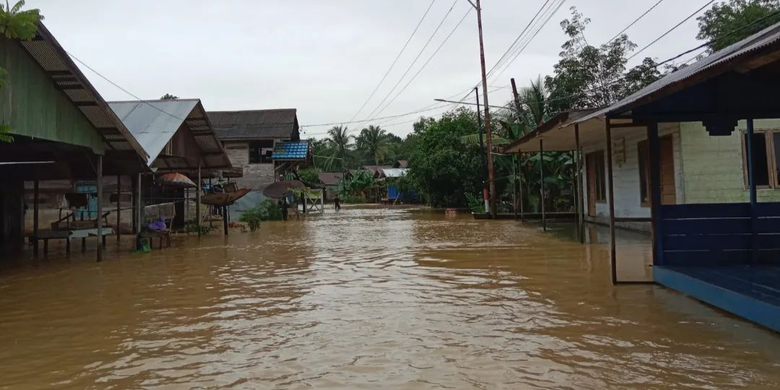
(365, 299)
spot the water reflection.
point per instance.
(367, 298)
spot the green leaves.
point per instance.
(374, 141)
(18, 24)
(719, 22)
(5, 133)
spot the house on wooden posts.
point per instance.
(694, 157)
(179, 138)
(330, 180)
(62, 131)
(250, 138)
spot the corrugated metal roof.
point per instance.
(666, 85)
(291, 150)
(394, 172)
(255, 124)
(330, 178)
(48, 53)
(154, 122)
(560, 120)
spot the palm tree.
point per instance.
(16, 24)
(534, 97)
(339, 138)
(373, 139)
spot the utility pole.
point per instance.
(518, 185)
(481, 147)
(488, 132)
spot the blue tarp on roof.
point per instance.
(291, 150)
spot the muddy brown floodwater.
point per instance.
(366, 299)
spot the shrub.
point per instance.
(352, 199)
(475, 203)
(267, 210)
(191, 226)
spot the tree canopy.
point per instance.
(730, 22)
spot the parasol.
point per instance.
(280, 189)
(175, 180)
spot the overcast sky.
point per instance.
(324, 57)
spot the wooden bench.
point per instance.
(161, 235)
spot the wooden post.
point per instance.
(611, 194)
(482, 148)
(753, 193)
(99, 208)
(580, 187)
(541, 184)
(225, 219)
(198, 190)
(488, 131)
(133, 203)
(139, 202)
(520, 181)
(118, 207)
(653, 146)
(517, 159)
(36, 201)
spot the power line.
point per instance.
(415, 59)
(395, 61)
(426, 62)
(122, 89)
(672, 29)
(634, 22)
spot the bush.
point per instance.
(310, 175)
(475, 203)
(352, 199)
(267, 210)
(191, 226)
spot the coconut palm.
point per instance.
(339, 138)
(374, 141)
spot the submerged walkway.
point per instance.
(367, 299)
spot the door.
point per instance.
(668, 189)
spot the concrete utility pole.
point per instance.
(488, 132)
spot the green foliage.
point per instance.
(373, 140)
(587, 76)
(361, 183)
(717, 23)
(267, 210)
(191, 227)
(352, 199)
(168, 96)
(310, 175)
(18, 24)
(340, 141)
(441, 166)
(475, 203)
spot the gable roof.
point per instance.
(713, 65)
(330, 178)
(154, 122)
(56, 63)
(255, 124)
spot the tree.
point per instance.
(587, 76)
(340, 141)
(16, 24)
(374, 141)
(729, 22)
(168, 96)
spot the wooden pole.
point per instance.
(198, 217)
(520, 180)
(138, 203)
(580, 186)
(611, 194)
(99, 208)
(541, 184)
(118, 207)
(225, 219)
(481, 145)
(133, 200)
(753, 193)
(516, 177)
(653, 147)
(488, 131)
(36, 201)
(518, 185)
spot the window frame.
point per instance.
(252, 146)
(643, 166)
(600, 172)
(771, 159)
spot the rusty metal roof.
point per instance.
(558, 121)
(50, 55)
(256, 124)
(707, 68)
(154, 122)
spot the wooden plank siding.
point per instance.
(31, 104)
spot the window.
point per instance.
(643, 153)
(766, 147)
(260, 152)
(597, 181)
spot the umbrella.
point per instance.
(175, 180)
(280, 189)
